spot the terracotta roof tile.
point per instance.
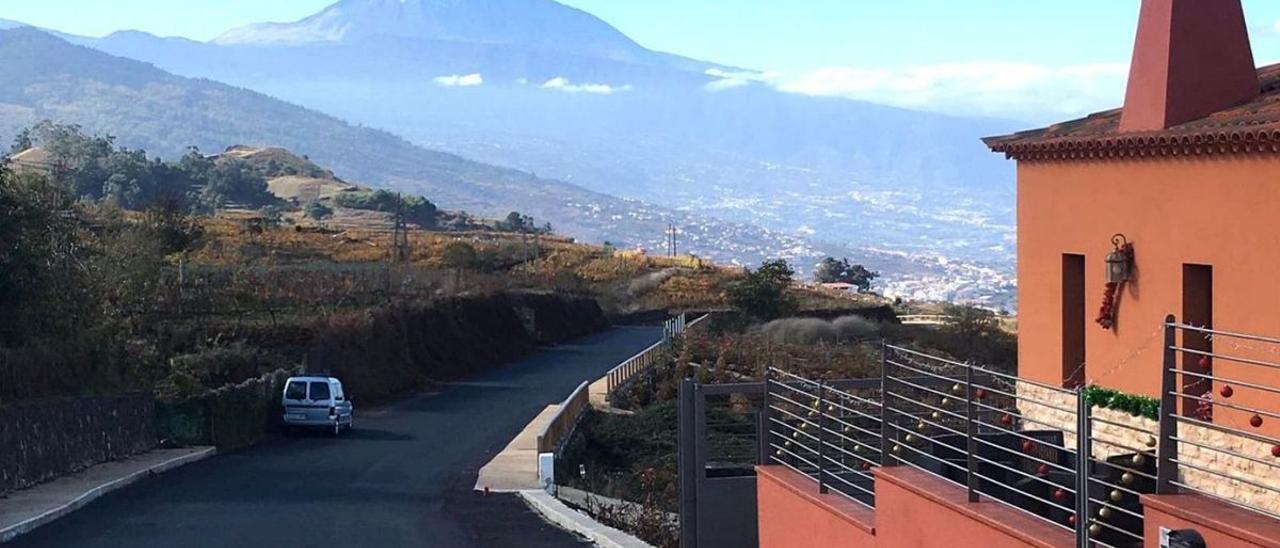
(1253, 127)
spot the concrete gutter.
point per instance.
(45, 503)
(572, 520)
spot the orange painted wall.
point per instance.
(1222, 211)
(1221, 526)
(790, 516)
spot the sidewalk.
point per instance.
(516, 467)
(25, 510)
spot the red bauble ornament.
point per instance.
(1043, 470)
(1275, 451)
(1006, 419)
(1227, 391)
(1060, 495)
(980, 393)
(1028, 446)
(1204, 362)
(1255, 421)
(1071, 520)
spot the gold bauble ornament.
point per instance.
(1139, 459)
(1095, 530)
(957, 388)
(910, 438)
(1127, 478)
(897, 449)
(1116, 495)
(946, 402)
(920, 425)
(1104, 512)
(937, 416)
(1151, 441)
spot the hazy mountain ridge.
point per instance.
(145, 107)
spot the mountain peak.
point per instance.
(539, 24)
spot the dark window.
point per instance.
(1073, 320)
(319, 391)
(1197, 310)
(297, 391)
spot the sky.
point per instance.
(1028, 60)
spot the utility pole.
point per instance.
(400, 235)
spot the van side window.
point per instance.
(297, 391)
(319, 391)
(337, 391)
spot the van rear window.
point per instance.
(319, 391)
(297, 390)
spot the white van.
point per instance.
(317, 402)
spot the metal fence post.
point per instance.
(822, 438)
(1084, 456)
(971, 437)
(885, 444)
(1167, 453)
(765, 429)
(688, 467)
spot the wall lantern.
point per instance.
(1120, 261)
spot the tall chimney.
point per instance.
(1192, 59)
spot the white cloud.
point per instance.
(561, 83)
(459, 81)
(1031, 92)
(522, 81)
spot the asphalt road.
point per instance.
(403, 477)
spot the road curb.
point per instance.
(562, 515)
(21, 528)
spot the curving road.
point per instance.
(402, 478)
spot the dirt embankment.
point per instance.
(400, 348)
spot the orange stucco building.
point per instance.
(1187, 172)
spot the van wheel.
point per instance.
(337, 429)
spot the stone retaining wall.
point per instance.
(40, 441)
(1139, 432)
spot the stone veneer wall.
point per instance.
(1138, 432)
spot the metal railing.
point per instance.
(649, 357)
(820, 430)
(969, 425)
(1220, 406)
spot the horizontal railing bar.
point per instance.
(872, 433)
(1120, 424)
(864, 401)
(849, 483)
(930, 407)
(798, 378)
(1018, 434)
(1241, 433)
(1246, 336)
(1225, 451)
(1125, 468)
(1026, 456)
(794, 455)
(1026, 399)
(1223, 499)
(1011, 469)
(927, 356)
(1116, 529)
(1032, 514)
(924, 420)
(1235, 382)
(792, 428)
(1108, 504)
(1114, 486)
(794, 389)
(927, 374)
(855, 411)
(922, 453)
(1225, 404)
(1227, 476)
(855, 441)
(1020, 416)
(846, 452)
(792, 402)
(1225, 357)
(1122, 446)
(1024, 493)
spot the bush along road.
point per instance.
(403, 477)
